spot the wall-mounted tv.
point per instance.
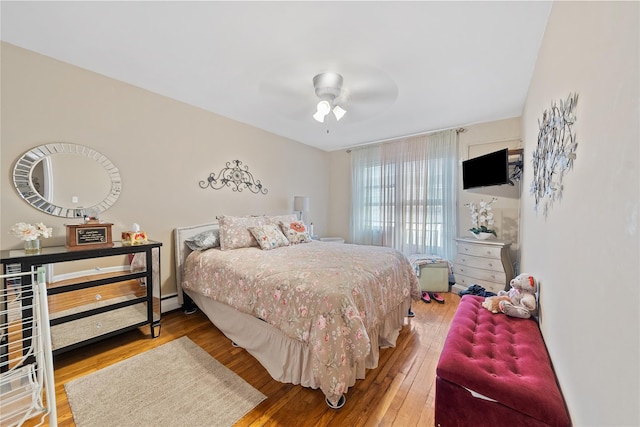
(486, 170)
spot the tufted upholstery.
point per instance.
(502, 358)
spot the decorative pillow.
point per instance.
(277, 219)
(205, 240)
(234, 231)
(296, 232)
(269, 236)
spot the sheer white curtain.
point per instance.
(404, 194)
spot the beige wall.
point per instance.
(585, 253)
(340, 194)
(162, 147)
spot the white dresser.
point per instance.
(482, 262)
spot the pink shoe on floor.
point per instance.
(436, 297)
(425, 296)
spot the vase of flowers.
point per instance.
(482, 219)
(31, 235)
(32, 246)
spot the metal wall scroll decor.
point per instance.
(235, 176)
(555, 152)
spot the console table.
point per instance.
(96, 306)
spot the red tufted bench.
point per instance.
(494, 370)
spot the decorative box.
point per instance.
(89, 235)
(133, 238)
(434, 277)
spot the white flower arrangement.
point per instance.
(482, 217)
(26, 232)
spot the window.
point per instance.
(404, 195)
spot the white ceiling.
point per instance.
(409, 67)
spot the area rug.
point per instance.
(176, 384)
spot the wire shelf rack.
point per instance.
(27, 387)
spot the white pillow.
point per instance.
(296, 232)
(205, 240)
(269, 236)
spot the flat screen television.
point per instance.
(486, 170)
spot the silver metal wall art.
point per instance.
(235, 176)
(555, 152)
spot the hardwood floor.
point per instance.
(400, 392)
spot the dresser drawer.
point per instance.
(479, 274)
(480, 251)
(479, 262)
(75, 331)
(88, 298)
(465, 282)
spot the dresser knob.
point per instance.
(98, 297)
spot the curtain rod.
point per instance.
(382, 141)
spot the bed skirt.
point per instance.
(288, 360)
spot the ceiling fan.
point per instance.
(358, 92)
(328, 88)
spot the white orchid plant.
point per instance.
(482, 217)
(25, 231)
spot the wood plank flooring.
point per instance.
(400, 392)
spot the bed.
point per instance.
(314, 313)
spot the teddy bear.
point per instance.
(522, 301)
(493, 303)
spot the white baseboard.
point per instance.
(169, 303)
(457, 288)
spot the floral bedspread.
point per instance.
(325, 294)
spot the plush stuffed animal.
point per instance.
(522, 297)
(493, 303)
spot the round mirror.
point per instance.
(67, 180)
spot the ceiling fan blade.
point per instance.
(288, 93)
(372, 98)
(373, 87)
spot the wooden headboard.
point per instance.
(182, 250)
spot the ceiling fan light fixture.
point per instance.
(323, 109)
(328, 87)
(339, 112)
(319, 117)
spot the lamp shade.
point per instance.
(339, 112)
(300, 203)
(323, 109)
(319, 117)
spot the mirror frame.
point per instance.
(23, 170)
